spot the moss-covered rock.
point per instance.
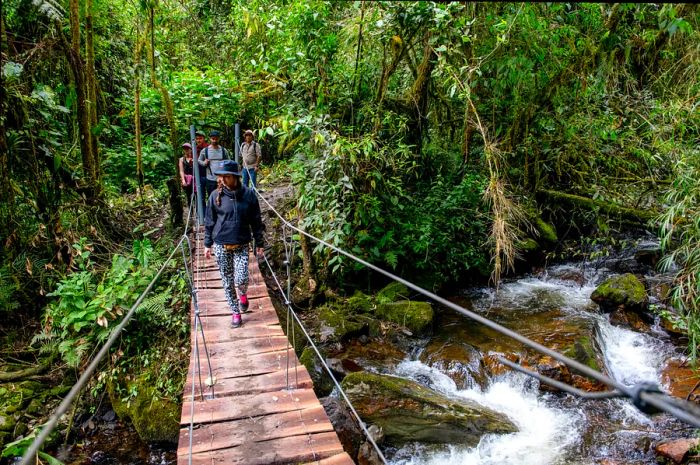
(155, 419)
(359, 303)
(408, 411)
(546, 231)
(624, 290)
(416, 316)
(584, 350)
(337, 324)
(323, 385)
(392, 293)
(528, 245)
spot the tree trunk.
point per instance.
(417, 98)
(6, 193)
(92, 88)
(631, 215)
(137, 113)
(77, 67)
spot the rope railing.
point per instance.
(647, 397)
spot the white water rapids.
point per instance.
(549, 431)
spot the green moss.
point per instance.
(323, 385)
(583, 350)
(624, 290)
(341, 323)
(359, 303)
(155, 419)
(546, 231)
(392, 293)
(416, 316)
(528, 245)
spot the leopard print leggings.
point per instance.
(233, 266)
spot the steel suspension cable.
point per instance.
(645, 396)
(30, 454)
(323, 362)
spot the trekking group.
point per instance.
(232, 218)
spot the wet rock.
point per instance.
(648, 256)
(373, 353)
(629, 319)
(682, 380)
(459, 361)
(584, 350)
(569, 274)
(624, 290)
(323, 385)
(676, 450)
(408, 411)
(392, 293)
(416, 316)
(349, 433)
(554, 369)
(367, 454)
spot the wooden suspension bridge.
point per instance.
(253, 416)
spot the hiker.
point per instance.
(233, 219)
(186, 164)
(211, 159)
(251, 156)
(201, 140)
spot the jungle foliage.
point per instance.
(419, 135)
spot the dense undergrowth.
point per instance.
(439, 140)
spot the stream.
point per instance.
(553, 428)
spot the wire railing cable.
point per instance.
(645, 396)
(31, 453)
(323, 362)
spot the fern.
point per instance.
(155, 306)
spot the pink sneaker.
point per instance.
(237, 321)
(243, 303)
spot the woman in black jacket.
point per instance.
(233, 219)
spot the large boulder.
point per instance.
(626, 290)
(416, 316)
(407, 411)
(155, 419)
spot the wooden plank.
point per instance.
(284, 451)
(253, 418)
(251, 365)
(249, 405)
(339, 459)
(226, 386)
(218, 436)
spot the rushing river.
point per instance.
(553, 428)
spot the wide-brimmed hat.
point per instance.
(228, 167)
(187, 145)
(214, 132)
(248, 131)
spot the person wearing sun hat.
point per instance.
(251, 156)
(211, 159)
(233, 219)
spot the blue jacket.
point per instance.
(236, 221)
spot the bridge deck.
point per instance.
(253, 418)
